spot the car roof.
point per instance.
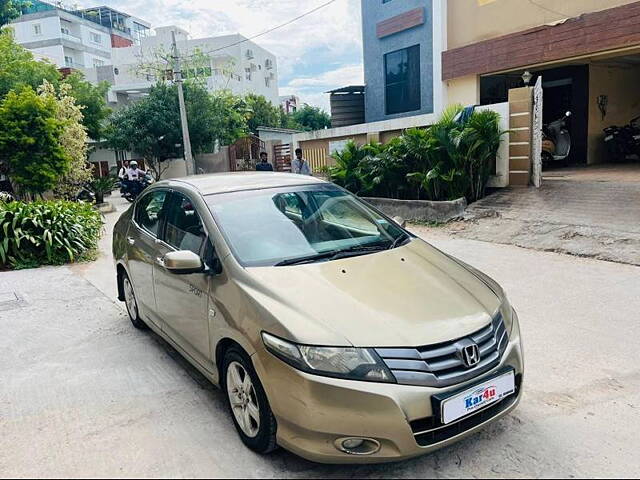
(237, 181)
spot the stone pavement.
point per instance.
(585, 212)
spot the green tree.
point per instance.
(262, 113)
(73, 139)
(92, 100)
(18, 68)
(30, 141)
(312, 118)
(151, 127)
(10, 9)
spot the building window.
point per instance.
(402, 80)
(95, 38)
(98, 63)
(68, 61)
(37, 29)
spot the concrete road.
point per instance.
(85, 395)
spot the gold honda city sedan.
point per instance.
(333, 331)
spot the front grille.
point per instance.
(441, 365)
(429, 431)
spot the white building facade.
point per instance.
(76, 39)
(228, 62)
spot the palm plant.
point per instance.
(347, 171)
(102, 186)
(480, 140)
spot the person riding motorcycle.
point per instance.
(133, 182)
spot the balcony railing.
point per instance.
(70, 37)
(72, 64)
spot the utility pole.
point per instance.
(177, 77)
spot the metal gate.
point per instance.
(536, 135)
(282, 157)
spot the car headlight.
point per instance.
(350, 363)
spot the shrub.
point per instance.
(450, 159)
(47, 232)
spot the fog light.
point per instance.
(352, 443)
(357, 445)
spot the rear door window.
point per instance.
(184, 229)
(149, 211)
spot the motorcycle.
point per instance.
(556, 141)
(131, 189)
(623, 141)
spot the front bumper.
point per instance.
(313, 411)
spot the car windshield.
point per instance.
(287, 226)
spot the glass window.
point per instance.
(149, 211)
(37, 29)
(402, 80)
(184, 230)
(266, 227)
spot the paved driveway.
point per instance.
(84, 394)
(591, 212)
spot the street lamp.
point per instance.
(526, 77)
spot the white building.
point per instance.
(76, 39)
(229, 62)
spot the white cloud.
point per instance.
(312, 43)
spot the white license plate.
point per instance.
(477, 397)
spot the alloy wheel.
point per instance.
(243, 399)
(130, 299)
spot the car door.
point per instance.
(182, 300)
(142, 249)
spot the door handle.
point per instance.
(131, 240)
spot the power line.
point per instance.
(555, 12)
(293, 20)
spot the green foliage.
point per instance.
(449, 160)
(102, 185)
(311, 118)
(151, 127)
(73, 139)
(262, 113)
(91, 99)
(10, 9)
(47, 233)
(18, 68)
(30, 141)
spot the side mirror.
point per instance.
(183, 262)
(400, 221)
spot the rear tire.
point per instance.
(247, 401)
(132, 303)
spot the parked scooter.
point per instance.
(623, 141)
(556, 141)
(131, 189)
(85, 194)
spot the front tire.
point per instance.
(248, 404)
(132, 303)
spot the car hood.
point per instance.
(409, 296)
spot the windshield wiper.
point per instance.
(354, 251)
(398, 241)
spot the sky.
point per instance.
(317, 53)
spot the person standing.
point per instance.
(300, 165)
(263, 165)
(122, 173)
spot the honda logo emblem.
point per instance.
(471, 355)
